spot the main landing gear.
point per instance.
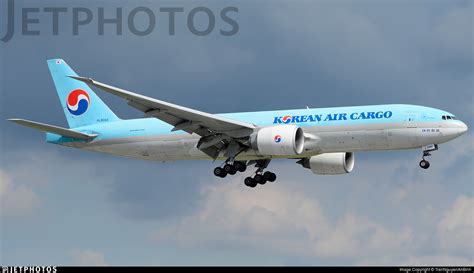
(260, 177)
(424, 164)
(231, 167)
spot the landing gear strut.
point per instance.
(424, 164)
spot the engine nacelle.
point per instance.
(278, 140)
(330, 163)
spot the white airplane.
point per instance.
(323, 140)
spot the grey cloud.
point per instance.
(457, 227)
(292, 224)
(138, 190)
(153, 191)
(17, 199)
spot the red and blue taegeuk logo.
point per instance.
(78, 102)
(277, 138)
(286, 119)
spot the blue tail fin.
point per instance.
(80, 104)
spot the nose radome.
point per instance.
(462, 128)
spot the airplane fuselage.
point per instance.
(339, 129)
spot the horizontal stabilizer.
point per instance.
(53, 129)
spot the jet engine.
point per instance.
(278, 140)
(329, 163)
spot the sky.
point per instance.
(70, 207)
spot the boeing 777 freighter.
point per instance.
(323, 140)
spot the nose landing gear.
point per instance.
(424, 164)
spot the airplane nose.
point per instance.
(462, 128)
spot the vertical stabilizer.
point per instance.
(80, 104)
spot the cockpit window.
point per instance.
(446, 117)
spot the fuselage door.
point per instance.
(411, 119)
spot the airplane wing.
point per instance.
(215, 131)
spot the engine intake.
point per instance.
(278, 140)
(330, 163)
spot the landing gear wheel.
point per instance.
(239, 166)
(273, 178)
(220, 172)
(250, 182)
(260, 179)
(269, 176)
(229, 169)
(424, 164)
